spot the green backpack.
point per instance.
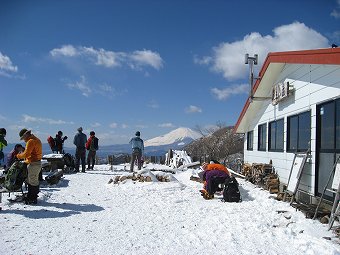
(16, 176)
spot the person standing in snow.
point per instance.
(32, 155)
(137, 145)
(3, 143)
(59, 142)
(79, 141)
(92, 147)
(213, 175)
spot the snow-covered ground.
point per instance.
(83, 214)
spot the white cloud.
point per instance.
(203, 61)
(193, 109)
(81, 86)
(6, 65)
(147, 57)
(29, 119)
(124, 126)
(222, 94)
(113, 125)
(228, 57)
(166, 125)
(111, 59)
(65, 50)
(336, 12)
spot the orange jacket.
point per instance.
(217, 167)
(33, 150)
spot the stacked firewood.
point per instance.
(140, 178)
(262, 175)
(272, 183)
(137, 178)
(163, 178)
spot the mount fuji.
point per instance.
(175, 140)
(178, 137)
(157, 146)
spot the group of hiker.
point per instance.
(214, 174)
(82, 144)
(31, 155)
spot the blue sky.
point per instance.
(120, 66)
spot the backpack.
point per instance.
(15, 176)
(231, 193)
(51, 142)
(54, 177)
(68, 160)
(94, 144)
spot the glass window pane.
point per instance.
(327, 126)
(250, 140)
(292, 133)
(279, 134)
(262, 137)
(272, 134)
(304, 131)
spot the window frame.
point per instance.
(262, 137)
(297, 132)
(276, 135)
(250, 140)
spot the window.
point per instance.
(250, 136)
(275, 138)
(299, 132)
(262, 135)
(329, 121)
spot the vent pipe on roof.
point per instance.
(251, 61)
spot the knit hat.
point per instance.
(2, 131)
(23, 132)
(80, 129)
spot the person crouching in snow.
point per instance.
(213, 175)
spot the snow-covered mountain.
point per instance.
(180, 136)
(157, 146)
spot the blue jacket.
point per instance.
(137, 142)
(80, 140)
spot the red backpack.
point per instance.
(51, 142)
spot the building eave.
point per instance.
(271, 69)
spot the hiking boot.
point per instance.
(207, 196)
(30, 201)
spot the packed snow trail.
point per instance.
(84, 214)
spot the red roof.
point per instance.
(329, 56)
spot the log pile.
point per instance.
(163, 178)
(139, 178)
(136, 178)
(262, 175)
(196, 179)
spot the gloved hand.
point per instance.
(65, 137)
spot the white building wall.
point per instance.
(313, 84)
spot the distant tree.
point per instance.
(218, 142)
